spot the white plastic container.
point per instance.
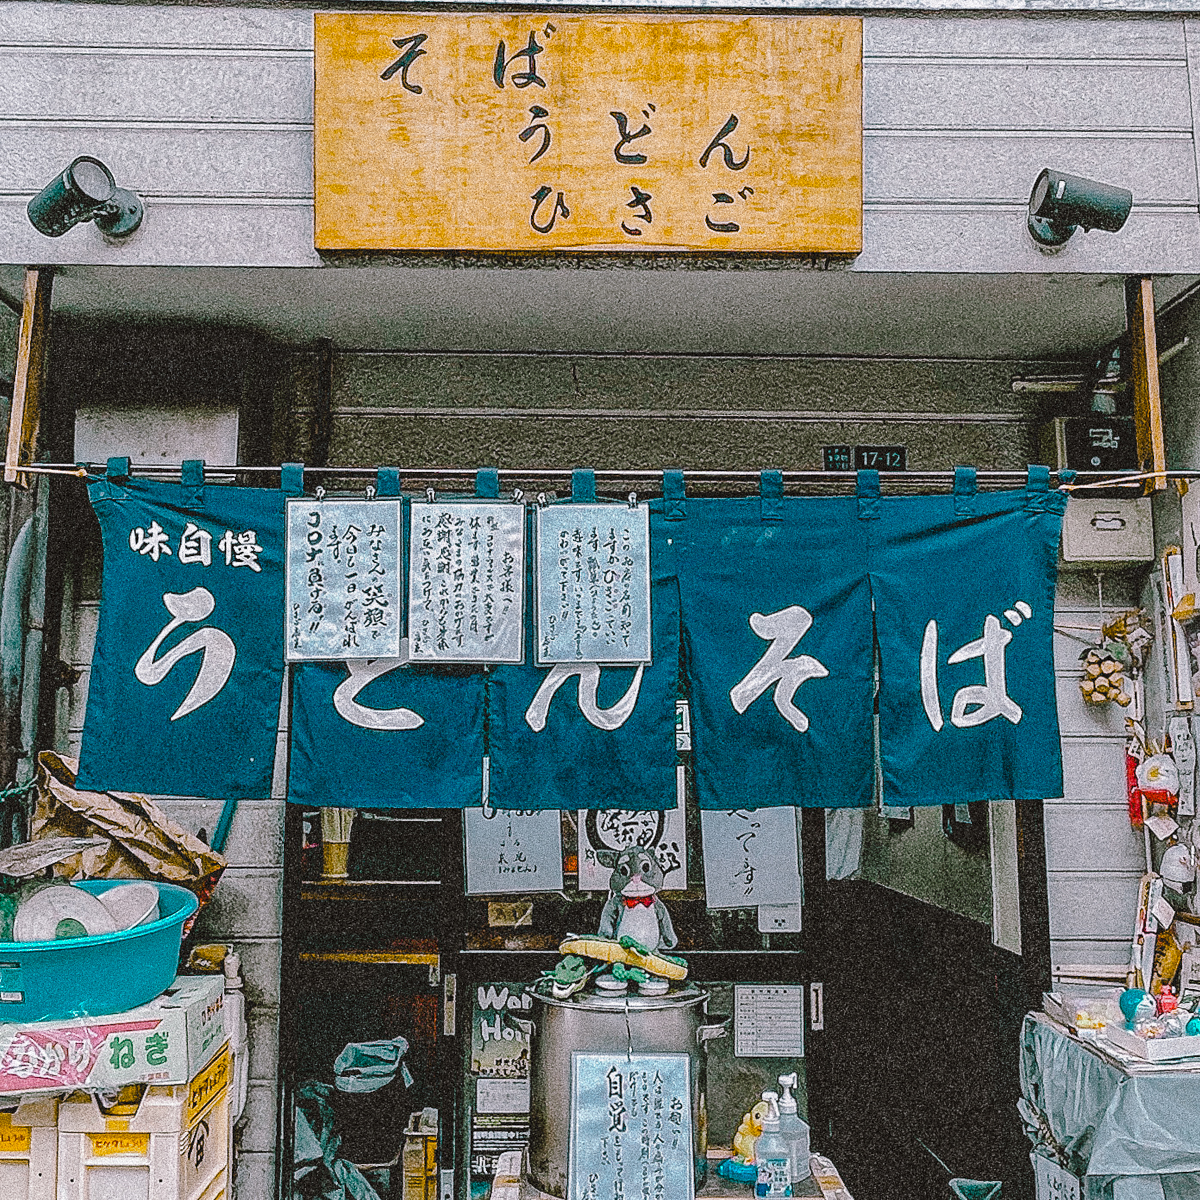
(175, 1146)
(771, 1154)
(793, 1130)
(29, 1150)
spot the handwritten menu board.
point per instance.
(466, 582)
(511, 851)
(751, 857)
(481, 131)
(343, 579)
(631, 1127)
(593, 583)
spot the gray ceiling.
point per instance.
(581, 307)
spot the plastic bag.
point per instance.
(319, 1173)
(369, 1066)
(139, 840)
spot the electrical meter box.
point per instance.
(1099, 532)
(1093, 443)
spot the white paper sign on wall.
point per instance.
(751, 857)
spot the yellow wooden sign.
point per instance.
(606, 132)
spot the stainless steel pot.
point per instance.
(676, 1023)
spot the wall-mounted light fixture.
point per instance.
(1059, 204)
(85, 191)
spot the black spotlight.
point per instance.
(1059, 204)
(85, 191)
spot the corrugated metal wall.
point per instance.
(208, 112)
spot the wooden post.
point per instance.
(1147, 403)
(29, 375)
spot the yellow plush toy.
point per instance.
(748, 1132)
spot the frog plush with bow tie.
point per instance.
(633, 908)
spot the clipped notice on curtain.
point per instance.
(188, 665)
(343, 579)
(466, 581)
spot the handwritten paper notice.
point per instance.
(751, 857)
(631, 1127)
(614, 829)
(343, 579)
(466, 582)
(593, 583)
(510, 851)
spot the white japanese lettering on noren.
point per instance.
(607, 719)
(783, 629)
(977, 703)
(214, 645)
(362, 672)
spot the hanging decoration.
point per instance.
(188, 665)
(582, 734)
(964, 603)
(773, 615)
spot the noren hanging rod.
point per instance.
(1080, 479)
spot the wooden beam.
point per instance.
(1147, 402)
(29, 376)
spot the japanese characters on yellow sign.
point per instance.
(588, 132)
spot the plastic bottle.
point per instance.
(771, 1154)
(793, 1130)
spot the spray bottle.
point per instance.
(771, 1154)
(793, 1130)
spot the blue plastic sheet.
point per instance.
(1118, 1128)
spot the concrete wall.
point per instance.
(207, 111)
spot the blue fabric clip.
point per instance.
(487, 483)
(674, 496)
(965, 485)
(291, 479)
(1037, 490)
(770, 490)
(867, 487)
(583, 486)
(191, 483)
(387, 481)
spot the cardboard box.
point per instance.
(1153, 1049)
(167, 1041)
(1054, 1183)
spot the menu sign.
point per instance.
(626, 132)
(466, 582)
(343, 579)
(593, 583)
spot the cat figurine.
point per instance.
(633, 908)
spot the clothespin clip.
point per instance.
(632, 499)
(518, 496)
(541, 500)
(370, 491)
(430, 495)
(319, 493)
